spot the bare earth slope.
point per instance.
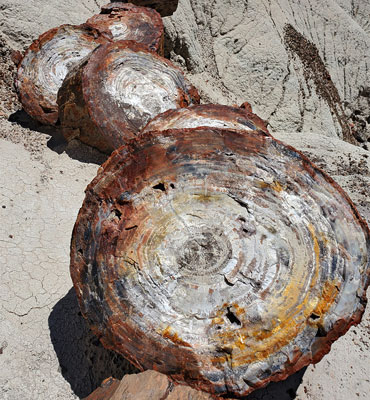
(46, 350)
(302, 64)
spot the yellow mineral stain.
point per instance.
(275, 185)
(174, 337)
(316, 249)
(256, 343)
(327, 298)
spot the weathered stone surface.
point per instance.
(120, 21)
(21, 22)
(148, 385)
(164, 7)
(105, 391)
(224, 259)
(300, 79)
(213, 115)
(111, 96)
(47, 62)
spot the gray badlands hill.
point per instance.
(304, 65)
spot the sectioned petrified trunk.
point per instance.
(164, 7)
(121, 21)
(47, 62)
(212, 115)
(222, 258)
(110, 97)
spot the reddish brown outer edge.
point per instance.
(116, 9)
(171, 353)
(27, 94)
(99, 112)
(216, 111)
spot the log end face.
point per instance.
(46, 63)
(219, 257)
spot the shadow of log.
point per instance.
(84, 362)
(283, 390)
(74, 149)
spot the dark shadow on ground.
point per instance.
(84, 363)
(74, 149)
(283, 390)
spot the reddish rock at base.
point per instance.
(148, 385)
(105, 391)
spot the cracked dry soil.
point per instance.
(46, 349)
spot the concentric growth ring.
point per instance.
(222, 258)
(113, 94)
(47, 62)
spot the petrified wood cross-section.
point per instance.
(111, 96)
(121, 21)
(222, 258)
(47, 62)
(212, 115)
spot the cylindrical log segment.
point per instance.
(212, 115)
(121, 21)
(47, 62)
(111, 96)
(164, 7)
(222, 258)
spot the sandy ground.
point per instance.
(46, 349)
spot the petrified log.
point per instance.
(222, 258)
(212, 115)
(47, 62)
(120, 21)
(111, 96)
(164, 7)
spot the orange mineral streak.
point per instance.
(174, 337)
(275, 186)
(249, 344)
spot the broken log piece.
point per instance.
(222, 258)
(45, 65)
(164, 7)
(130, 22)
(212, 115)
(111, 96)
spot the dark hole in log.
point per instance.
(320, 332)
(172, 186)
(232, 317)
(160, 186)
(117, 213)
(228, 282)
(130, 227)
(314, 316)
(47, 110)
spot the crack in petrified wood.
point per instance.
(224, 259)
(110, 97)
(47, 62)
